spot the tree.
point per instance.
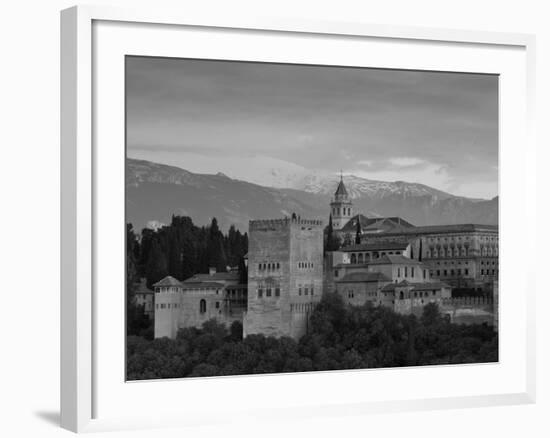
(332, 241)
(215, 252)
(156, 267)
(358, 232)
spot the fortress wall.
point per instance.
(269, 242)
(297, 245)
(166, 319)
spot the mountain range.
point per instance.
(154, 192)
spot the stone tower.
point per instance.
(285, 275)
(341, 207)
(168, 295)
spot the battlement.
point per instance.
(467, 301)
(263, 224)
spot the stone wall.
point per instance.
(285, 268)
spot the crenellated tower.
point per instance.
(341, 207)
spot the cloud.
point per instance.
(394, 123)
(406, 161)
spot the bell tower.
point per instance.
(341, 207)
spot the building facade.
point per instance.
(285, 275)
(464, 255)
(216, 295)
(145, 298)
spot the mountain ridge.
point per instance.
(156, 191)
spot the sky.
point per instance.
(436, 128)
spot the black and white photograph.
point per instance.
(285, 218)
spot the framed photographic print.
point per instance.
(256, 208)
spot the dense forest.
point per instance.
(181, 250)
(340, 337)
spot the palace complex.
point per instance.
(385, 261)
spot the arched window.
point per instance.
(202, 306)
(360, 259)
(353, 259)
(401, 296)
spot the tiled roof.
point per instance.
(141, 287)
(341, 190)
(168, 281)
(363, 277)
(415, 286)
(217, 276)
(394, 260)
(430, 286)
(367, 224)
(391, 287)
(435, 229)
(202, 285)
(377, 246)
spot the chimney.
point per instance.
(211, 270)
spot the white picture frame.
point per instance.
(81, 365)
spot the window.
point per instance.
(268, 292)
(406, 271)
(202, 306)
(444, 272)
(278, 265)
(306, 290)
(399, 272)
(260, 292)
(336, 272)
(452, 272)
(465, 272)
(311, 289)
(438, 273)
(353, 259)
(277, 292)
(412, 272)
(424, 274)
(217, 304)
(300, 290)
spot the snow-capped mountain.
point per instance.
(156, 191)
(359, 187)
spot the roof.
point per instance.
(202, 285)
(436, 229)
(216, 276)
(141, 287)
(415, 286)
(430, 286)
(363, 277)
(391, 287)
(168, 281)
(341, 189)
(395, 260)
(393, 223)
(377, 246)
